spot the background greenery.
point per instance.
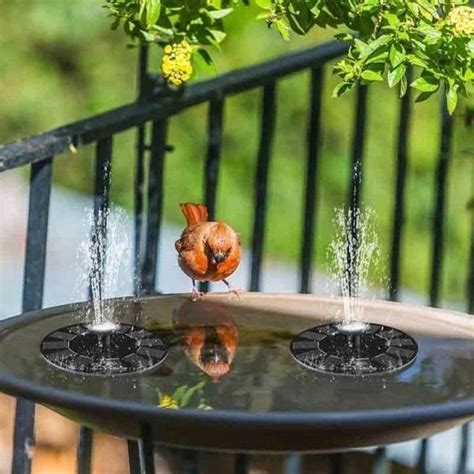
(60, 62)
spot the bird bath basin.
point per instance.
(230, 371)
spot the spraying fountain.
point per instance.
(100, 345)
(353, 346)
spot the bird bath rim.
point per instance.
(67, 401)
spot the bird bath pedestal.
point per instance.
(255, 393)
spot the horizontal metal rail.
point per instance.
(41, 147)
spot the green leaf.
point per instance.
(366, 24)
(395, 75)
(403, 86)
(266, 4)
(424, 96)
(419, 48)
(362, 47)
(344, 37)
(403, 35)
(426, 84)
(378, 50)
(204, 54)
(397, 54)
(142, 12)
(217, 35)
(417, 61)
(282, 28)
(370, 75)
(153, 8)
(342, 88)
(431, 34)
(203, 62)
(428, 8)
(147, 36)
(380, 41)
(378, 56)
(315, 10)
(452, 98)
(299, 17)
(218, 14)
(373, 48)
(470, 46)
(414, 8)
(392, 19)
(324, 19)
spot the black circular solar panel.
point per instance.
(126, 349)
(375, 349)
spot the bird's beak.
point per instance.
(219, 257)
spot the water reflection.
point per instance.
(185, 397)
(208, 335)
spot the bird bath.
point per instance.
(254, 395)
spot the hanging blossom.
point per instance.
(462, 20)
(176, 63)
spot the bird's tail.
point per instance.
(194, 213)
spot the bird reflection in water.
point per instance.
(208, 335)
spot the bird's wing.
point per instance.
(187, 241)
(193, 258)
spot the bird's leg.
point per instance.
(232, 290)
(197, 295)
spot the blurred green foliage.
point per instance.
(385, 38)
(60, 62)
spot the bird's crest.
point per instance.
(194, 213)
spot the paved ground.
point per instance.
(63, 271)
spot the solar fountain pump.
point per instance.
(352, 346)
(119, 349)
(342, 349)
(103, 346)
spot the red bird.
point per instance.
(207, 250)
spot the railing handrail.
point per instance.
(56, 141)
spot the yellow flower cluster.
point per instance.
(166, 401)
(462, 20)
(176, 63)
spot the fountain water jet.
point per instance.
(354, 253)
(104, 254)
(354, 346)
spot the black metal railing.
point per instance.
(150, 113)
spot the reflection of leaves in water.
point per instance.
(185, 397)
